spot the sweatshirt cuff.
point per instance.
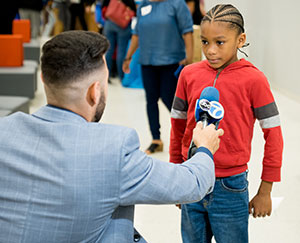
(272, 174)
(205, 150)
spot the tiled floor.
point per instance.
(161, 224)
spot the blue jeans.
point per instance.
(222, 213)
(118, 38)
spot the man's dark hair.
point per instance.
(226, 13)
(72, 54)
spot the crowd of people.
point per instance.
(45, 14)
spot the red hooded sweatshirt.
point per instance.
(246, 96)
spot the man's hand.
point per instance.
(207, 137)
(261, 204)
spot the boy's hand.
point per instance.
(261, 204)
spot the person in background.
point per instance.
(164, 35)
(77, 10)
(117, 37)
(246, 96)
(64, 177)
(8, 12)
(48, 19)
(31, 9)
(197, 10)
(98, 16)
(61, 10)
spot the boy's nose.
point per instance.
(212, 50)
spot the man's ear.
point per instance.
(42, 78)
(94, 93)
(241, 40)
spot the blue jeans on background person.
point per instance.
(118, 38)
(222, 213)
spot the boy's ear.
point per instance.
(241, 40)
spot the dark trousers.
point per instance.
(6, 18)
(159, 82)
(77, 10)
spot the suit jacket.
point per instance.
(63, 179)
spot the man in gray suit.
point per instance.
(64, 177)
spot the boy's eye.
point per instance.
(220, 42)
(204, 42)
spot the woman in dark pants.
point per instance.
(164, 34)
(77, 10)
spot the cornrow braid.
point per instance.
(226, 13)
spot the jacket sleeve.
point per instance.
(178, 121)
(266, 112)
(146, 180)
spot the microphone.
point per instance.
(203, 105)
(208, 110)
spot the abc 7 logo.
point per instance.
(213, 108)
(216, 110)
(204, 104)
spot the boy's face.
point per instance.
(220, 43)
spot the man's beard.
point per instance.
(100, 108)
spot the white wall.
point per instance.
(273, 30)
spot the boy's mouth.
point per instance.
(214, 61)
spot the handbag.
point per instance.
(119, 13)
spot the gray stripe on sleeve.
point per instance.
(180, 104)
(178, 114)
(270, 122)
(266, 111)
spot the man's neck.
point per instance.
(70, 109)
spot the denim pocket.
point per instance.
(236, 183)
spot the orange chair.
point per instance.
(11, 51)
(22, 27)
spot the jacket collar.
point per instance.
(56, 114)
(235, 65)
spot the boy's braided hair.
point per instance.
(226, 13)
